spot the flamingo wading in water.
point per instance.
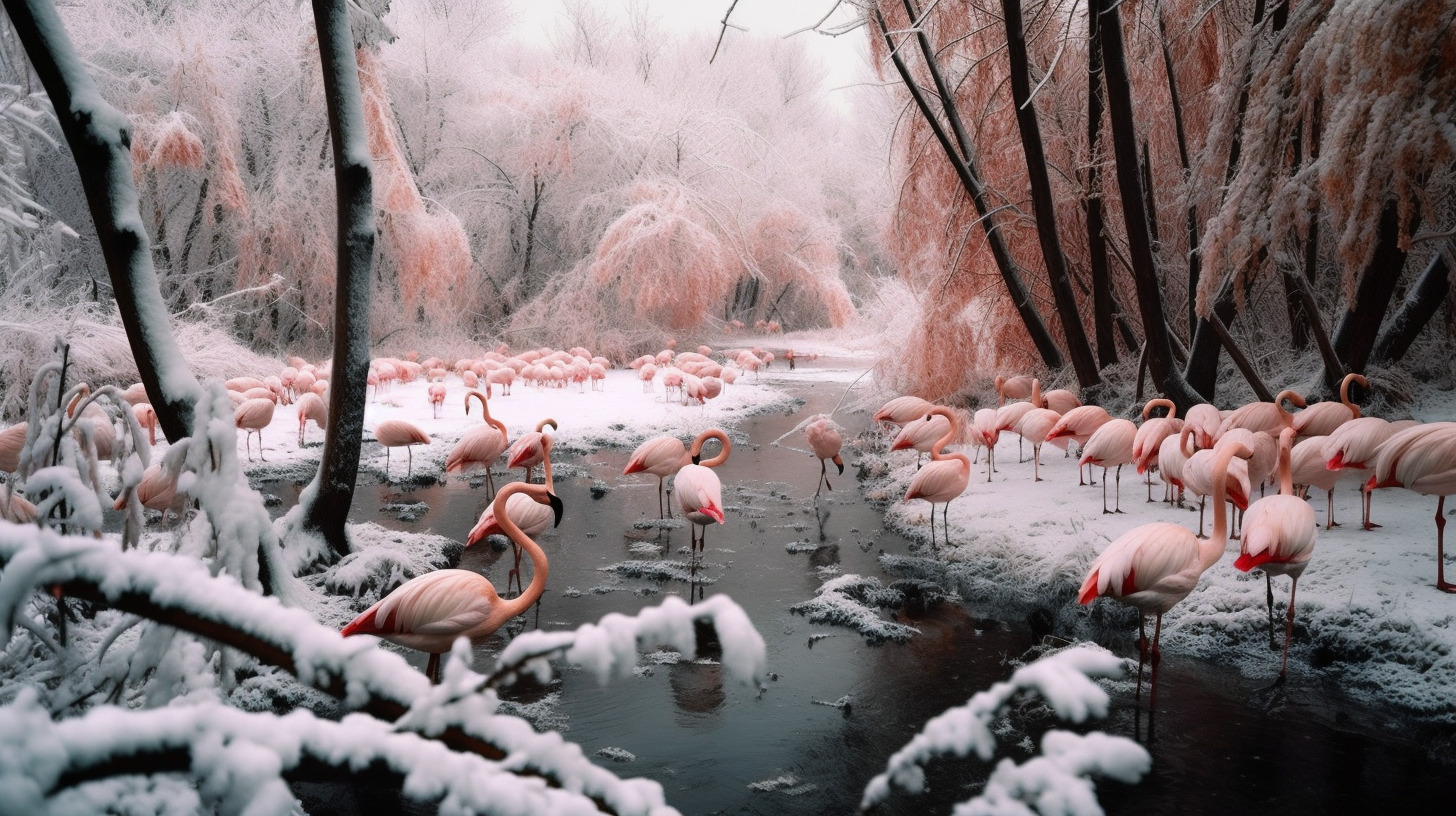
(481, 445)
(662, 456)
(944, 477)
(698, 489)
(826, 440)
(396, 433)
(428, 612)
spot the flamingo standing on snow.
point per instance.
(428, 612)
(1150, 435)
(1307, 467)
(253, 416)
(944, 477)
(1422, 459)
(1153, 567)
(1322, 418)
(1354, 446)
(1035, 425)
(1077, 425)
(1200, 472)
(1269, 417)
(311, 406)
(481, 445)
(396, 433)
(1279, 533)
(921, 436)
(826, 440)
(529, 450)
(1110, 446)
(699, 491)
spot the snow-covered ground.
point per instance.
(1367, 613)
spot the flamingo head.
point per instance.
(839, 461)
(713, 512)
(557, 508)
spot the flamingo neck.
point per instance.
(543, 423)
(947, 438)
(484, 405)
(711, 433)
(1345, 392)
(539, 566)
(1212, 548)
(546, 462)
(1286, 476)
(1036, 393)
(1161, 403)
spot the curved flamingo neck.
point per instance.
(1000, 390)
(539, 566)
(1183, 437)
(484, 405)
(1345, 391)
(947, 438)
(711, 433)
(1287, 417)
(1036, 393)
(81, 391)
(1286, 476)
(543, 423)
(546, 444)
(1212, 549)
(1161, 403)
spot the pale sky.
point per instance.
(846, 55)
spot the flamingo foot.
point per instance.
(1446, 586)
(1370, 525)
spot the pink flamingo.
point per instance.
(662, 456)
(1422, 459)
(1018, 387)
(1172, 456)
(156, 491)
(1307, 467)
(1035, 425)
(1199, 475)
(1060, 400)
(1269, 417)
(437, 397)
(700, 492)
(1110, 446)
(428, 612)
(1009, 416)
(1150, 436)
(1354, 446)
(826, 440)
(529, 450)
(1077, 425)
(901, 410)
(530, 516)
(253, 415)
(1153, 567)
(481, 445)
(1322, 418)
(146, 417)
(311, 406)
(12, 442)
(986, 434)
(1205, 419)
(944, 477)
(1279, 533)
(396, 433)
(921, 436)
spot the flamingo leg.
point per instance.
(1156, 659)
(1201, 500)
(432, 668)
(1269, 599)
(386, 462)
(1288, 629)
(1441, 583)
(1330, 510)
(515, 573)
(1117, 491)
(1019, 457)
(823, 479)
(1142, 653)
(1369, 525)
(1150, 485)
(260, 446)
(410, 452)
(1036, 461)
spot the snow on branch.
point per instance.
(181, 591)
(1055, 783)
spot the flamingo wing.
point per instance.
(1277, 530)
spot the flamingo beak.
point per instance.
(714, 513)
(840, 462)
(696, 459)
(557, 508)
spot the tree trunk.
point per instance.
(1421, 304)
(1096, 242)
(1355, 337)
(1191, 218)
(963, 162)
(99, 137)
(1145, 274)
(1042, 205)
(327, 499)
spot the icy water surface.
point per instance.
(836, 707)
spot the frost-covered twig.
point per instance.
(1054, 784)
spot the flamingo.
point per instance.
(1307, 467)
(437, 397)
(481, 445)
(1199, 474)
(1077, 425)
(253, 415)
(1060, 400)
(428, 612)
(1153, 567)
(944, 477)
(663, 456)
(529, 450)
(396, 433)
(986, 435)
(1279, 533)
(1150, 435)
(12, 442)
(1205, 419)
(1322, 418)
(699, 491)
(1035, 425)
(146, 416)
(1110, 446)
(1422, 459)
(1269, 417)
(920, 435)
(826, 440)
(311, 406)
(901, 410)
(1018, 387)
(1009, 416)
(156, 491)
(1172, 456)
(1354, 446)
(530, 516)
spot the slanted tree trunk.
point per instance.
(327, 499)
(1096, 242)
(1355, 337)
(1191, 217)
(1042, 207)
(962, 159)
(1139, 240)
(1421, 304)
(100, 140)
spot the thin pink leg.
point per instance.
(1441, 583)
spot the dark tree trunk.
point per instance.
(1042, 205)
(1191, 217)
(1421, 304)
(100, 140)
(1096, 241)
(332, 490)
(963, 162)
(1358, 329)
(1145, 274)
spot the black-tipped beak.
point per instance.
(697, 459)
(557, 508)
(841, 468)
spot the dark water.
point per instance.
(1221, 743)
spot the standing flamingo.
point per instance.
(530, 516)
(826, 440)
(1077, 425)
(1322, 418)
(1153, 567)
(481, 445)
(1269, 417)
(699, 491)
(901, 410)
(1307, 467)
(1205, 419)
(985, 433)
(437, 397)
(428, 612)
(1110, 446)
(311, 406)
(944, 477)
(1199, 474)
(396, 433)
(662, 456)
(920, 436)
(1354, 446)
(529, 449)
(1278, 538)
(1422, 459)
(1172, 456)
(1035, 425)
(253, 416)
(1150, 436)
(1018, 387)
